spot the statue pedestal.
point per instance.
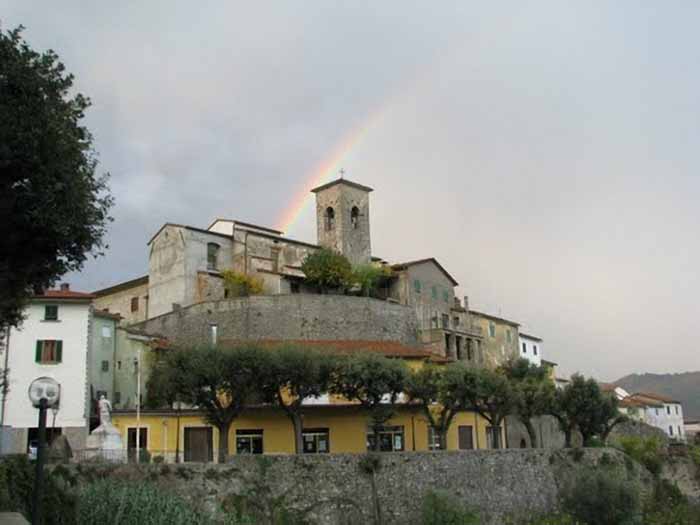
(105, 442)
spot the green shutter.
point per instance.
(59, 351)
(37, 355)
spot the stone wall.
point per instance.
(335, 491)
(291, 317)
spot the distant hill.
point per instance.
(684, 387)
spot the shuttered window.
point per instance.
(48, 351)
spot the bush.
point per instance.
(239, 284)
(647, 451)
(668, 506)
(440, 508)
(108, 501)
(601, 498)
(326, 269)
(17, 486)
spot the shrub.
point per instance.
(601, 498)
(668, 506)
(17, 486)
(440, 508)
(369, 276)
(326, 269)
(108, 501)
(239, 284)
(647, 451)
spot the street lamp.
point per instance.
(43, 392)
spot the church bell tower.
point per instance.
(342, 219)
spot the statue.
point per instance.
(105, 411)
(105, 442)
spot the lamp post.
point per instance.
(44, 392)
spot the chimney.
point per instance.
(466, 303)
(65, 287)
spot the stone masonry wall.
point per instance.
(297, 316)
(334, 491)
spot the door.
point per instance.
(465, 436)
(198, 444)
(131, 444)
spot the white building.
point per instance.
(531, 348)
(658, 411)
(51, 342)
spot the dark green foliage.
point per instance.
(53, 207)
(647, 451)
(668, 506)
(491, 394)
(110, 501)
(602, 498)
(534, 392)
(439, 508)
(220, 381)
(582, 405)
(17, 486)
(327, 270)
(367, 378)
(370, 463)
(370, 276)
(291, 375)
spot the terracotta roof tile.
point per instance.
(64, 294)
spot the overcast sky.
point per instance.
(546, 153)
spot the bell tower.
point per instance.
(342, 219)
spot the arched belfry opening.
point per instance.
(355, 217)
(329, 218)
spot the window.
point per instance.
(534, 349)
(670, 430)
(249, 441)
(106, 332)
(416, 286)
(433, 439)
(490, 437)
(676, 409)
(117, 398)
(390, 439)
(316, 441)
(509, 335)
(657, 411)
(446, 296)
(492, 329)
(455, 322)
(434, 291)
(680, 433)
(355, 217)
(294, 287)
(465, 437)
(48, 352)
(524, 348)
(212, 256)
(445, 321)
(105, 366)
(119, 365)
(213, 333)
(134, 304)
(458, 346)
(668, 410)
(101, 393)
(329, 218)
(469, 349)
(51, 312)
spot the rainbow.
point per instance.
(325, 171)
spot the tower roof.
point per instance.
(342, 181)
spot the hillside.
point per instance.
(685, 387)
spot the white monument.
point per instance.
(105, 441)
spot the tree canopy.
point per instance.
(327, 270)
(53, 206)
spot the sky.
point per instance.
(545, 152)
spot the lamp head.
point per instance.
(44, 388)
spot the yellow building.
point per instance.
(330, 425)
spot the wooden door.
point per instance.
(198, 444)
(465, 435)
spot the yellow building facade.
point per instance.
(267, 430)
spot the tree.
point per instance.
(326, 270)
(375, 382)
(218, 381)
(534, 390)
(581, 405)
(239, 284)
(492, 396)
(369, 276)
(53, 206)
(440, 392)
(163, 390)
(293, 374)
